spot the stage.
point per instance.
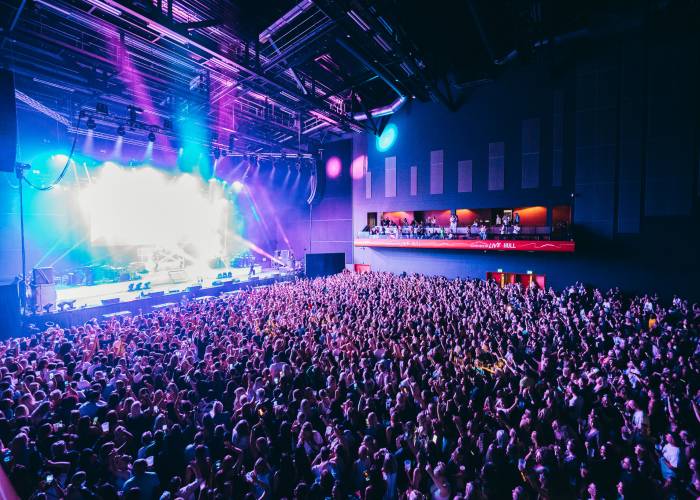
(165, 281)
(110, 300)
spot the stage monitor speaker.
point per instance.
(324, 264)
(43, 276)
(8, 122)
(10, 316)
(109, 302)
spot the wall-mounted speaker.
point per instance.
(8, 122)
(10, 318)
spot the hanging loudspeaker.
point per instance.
(318, 183)
(8, 122)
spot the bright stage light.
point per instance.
(333, 167)
(58, 161)
(358, 167)
(237, 186)
(388, 138)
(145, 208)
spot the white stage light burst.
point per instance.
(146, 208)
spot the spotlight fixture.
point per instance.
(231, 142)
(121, 131)
(102, 108)
(133, 112)
(151, 136)
(91, 124)
(217, 153)
(224, 152)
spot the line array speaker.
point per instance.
(8, 122)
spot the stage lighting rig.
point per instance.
(121, 131)
(151, 136)
(133, 114)
(91, 124)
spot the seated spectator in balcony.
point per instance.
(516, 230)
(516, 218)
(498, 220)
(453, 223)
(482, 232)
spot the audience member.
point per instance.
(370, 386)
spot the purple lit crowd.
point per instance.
(368, 386)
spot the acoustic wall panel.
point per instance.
(496, 166)
(390, 177)
(672, 119)
(414, 180)
(464, 176)
(631, 137)
(596, 148)
(530, 163)
(558, 139)
(436, 172)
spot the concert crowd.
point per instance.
(369, 386)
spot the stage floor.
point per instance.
(93, 295)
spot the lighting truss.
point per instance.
(36, 105)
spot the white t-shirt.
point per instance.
(639, 419)
(672, 454)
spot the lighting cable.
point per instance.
(65, 168)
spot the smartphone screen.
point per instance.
(149, 461)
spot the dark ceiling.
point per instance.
(328, 67)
